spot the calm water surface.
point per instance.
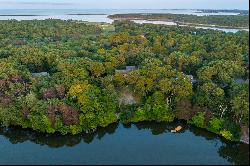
(154, 22)
(141, 143)
(106, 11)
(198, 27)
(91, 15)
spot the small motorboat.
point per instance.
(178, 128)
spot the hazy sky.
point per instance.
(124, 4)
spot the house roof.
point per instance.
(40, 74)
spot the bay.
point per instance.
(101, 15)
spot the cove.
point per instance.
(140, 143)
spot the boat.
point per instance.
(178, 128)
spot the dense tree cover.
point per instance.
(219, 20)
(177, 72)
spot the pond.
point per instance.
(141, 143)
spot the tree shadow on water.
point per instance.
(234, 153)
(158, 128)
(17, 135)
(237, 154)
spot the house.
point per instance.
(126, 70)
(42, 74)
(191, 77)
(130, 68)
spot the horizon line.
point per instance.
(122, 9)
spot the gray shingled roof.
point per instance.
(42, 74)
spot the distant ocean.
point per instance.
(91, 14)
(99, 15)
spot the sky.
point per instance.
(124, 4)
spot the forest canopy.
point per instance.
(72, 77)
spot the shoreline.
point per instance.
(85, 14)
(135, 114)
(74, 14)
(91, 131)
(17, 15)
(179, 23)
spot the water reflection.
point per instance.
(235, 153)
(17, 135)
(160, 128)
(204, 133)
(231, 152)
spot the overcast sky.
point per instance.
(124, 4)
